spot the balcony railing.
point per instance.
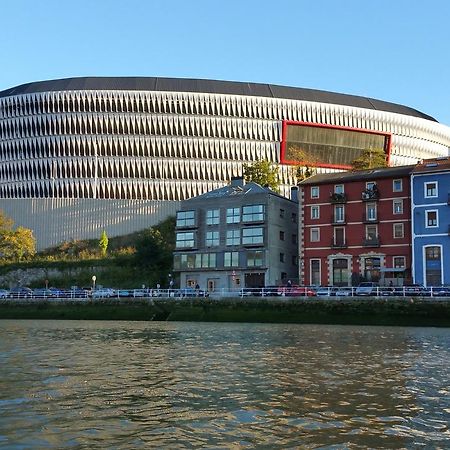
(367, 218)
(371, 242)
(370, 194)
(338, 198)
(339, 243)
(338, 220)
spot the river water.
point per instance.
(169, 385)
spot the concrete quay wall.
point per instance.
(414, 311)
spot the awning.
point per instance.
(392, 269)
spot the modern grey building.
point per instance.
(240, 235)
(80, 155)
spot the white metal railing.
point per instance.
(272, 291)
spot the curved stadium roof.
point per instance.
(210, 86)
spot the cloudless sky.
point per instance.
(393, 50)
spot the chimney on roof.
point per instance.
(294, 193)
(237, 182)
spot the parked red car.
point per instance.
(296, 291)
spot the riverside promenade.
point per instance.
(401, 311)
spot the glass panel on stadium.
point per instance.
(321, 146)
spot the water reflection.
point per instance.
(193, 385)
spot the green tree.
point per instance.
(304, 172)
(264, 173)
(154, 250)
(103, 243)
(15, 245)
(6, 223)
(370, 159)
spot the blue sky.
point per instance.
(393, 50)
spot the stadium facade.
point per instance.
(80, 155)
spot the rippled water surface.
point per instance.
(76, 384)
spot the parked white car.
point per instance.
(104, 293)
(367, 288)
(4, 293)
(345, 292)
(326, 291)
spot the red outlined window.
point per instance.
(329, 146)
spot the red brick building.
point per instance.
(356, 227)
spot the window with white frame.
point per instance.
(370, 185)
(233, 215)
(399, 262)
(371, 211)
(431, 189)
(397, 186)
(315, 234)
(212, 216)
(339, 189)
(339, 236)
(371, 232)
(397, 206)
(315, 192)
(433, 265)
(339, 213)
(212, 238)
(233, 237)
(398, 230)
(315, 272)
(315, 212)
(431, 218)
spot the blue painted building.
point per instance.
(430, 203)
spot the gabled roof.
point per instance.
(433, 165)
(231, 190)
(211, 86)
(360, 175)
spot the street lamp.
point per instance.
(94, 278)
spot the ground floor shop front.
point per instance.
(344, 269)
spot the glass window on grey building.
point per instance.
(254, 235)
(212, 216)
(233, 237)
(253, 213)
(185, 218)
(231, 259)
(185, 240)
(255, 258)
(212, 238)
(233, 215)
(206, 260)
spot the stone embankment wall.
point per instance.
(27, 277)
(367, 311)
